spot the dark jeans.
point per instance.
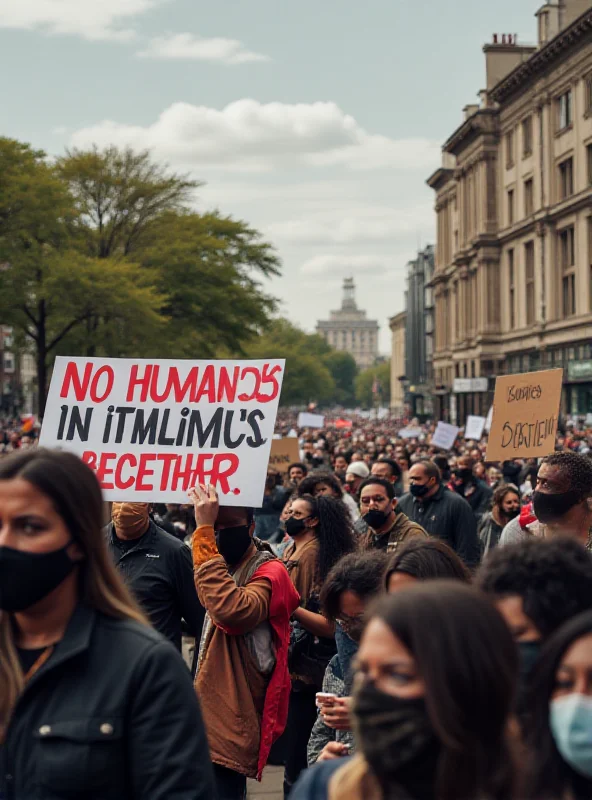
(302, 715)
(230, 785)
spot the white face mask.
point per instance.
(570, 718)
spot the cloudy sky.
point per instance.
(317, 121)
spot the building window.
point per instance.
(564, 110)
(527, 136)
(509, 149)
(588, 97)
(528, 197)
(568, 274)
(512, 285)
(566, 183)
(589, 163)
(529, 273)
(510, 206)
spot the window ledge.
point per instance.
(561, 131)
(510, 164)
(526, 154)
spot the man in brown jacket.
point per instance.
(388, 527)
(242, 674)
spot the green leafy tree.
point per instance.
(307, 379)
(208, 270)
(119, 195)
(381, 373)
(344, 370)
(48, 290)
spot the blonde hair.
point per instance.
(75, 492)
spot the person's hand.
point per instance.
(337, 714)
(333, 750)
(205, 503)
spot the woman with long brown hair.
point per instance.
(93, 702)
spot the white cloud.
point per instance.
(186, 46)
(251, 136)
(354, 224)
(332, 264)
(91, 19)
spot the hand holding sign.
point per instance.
(206, 505)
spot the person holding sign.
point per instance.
(242, 672)
(94, 703)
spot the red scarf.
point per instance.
(527, 516)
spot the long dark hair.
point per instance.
(334, 532)
(427, 559)
(548, 775)
(468, 661)
(74, 490)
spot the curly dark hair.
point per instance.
(548, 775)
(335, 531)
(577, 467)
(357, 572)
(552, 576)
(309, 484)
(427, 559)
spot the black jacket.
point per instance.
(449, 517)
(112, 715)
(479, 499)
(159, 571)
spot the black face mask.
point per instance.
(395, 734)
(511, 514)
(551, 507)
(465, 475)
(528, 656)
(26, 578)
(295, 526)
(419, 489)
(233, 543)
(376, 519)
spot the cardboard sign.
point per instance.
(445, 435)
(307, 420)
(283, 453)
(525, 415)
(154, 429)
(474, 428)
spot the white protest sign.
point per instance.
(410, 433)
(489, 419)
(474, 427)
(153, 429)
(307, 420)
(445, 435)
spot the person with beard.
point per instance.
(431, 705)
(476, 492)
(506, 507)
(388, 526)
(561, 502)
(242, 672)
(537, 585)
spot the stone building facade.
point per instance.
(513, 269)
(398, 325)
(348, 329)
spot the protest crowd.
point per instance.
(396, 621)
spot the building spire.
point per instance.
(349, 295)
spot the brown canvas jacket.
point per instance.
(402, 531)
(230, 687)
